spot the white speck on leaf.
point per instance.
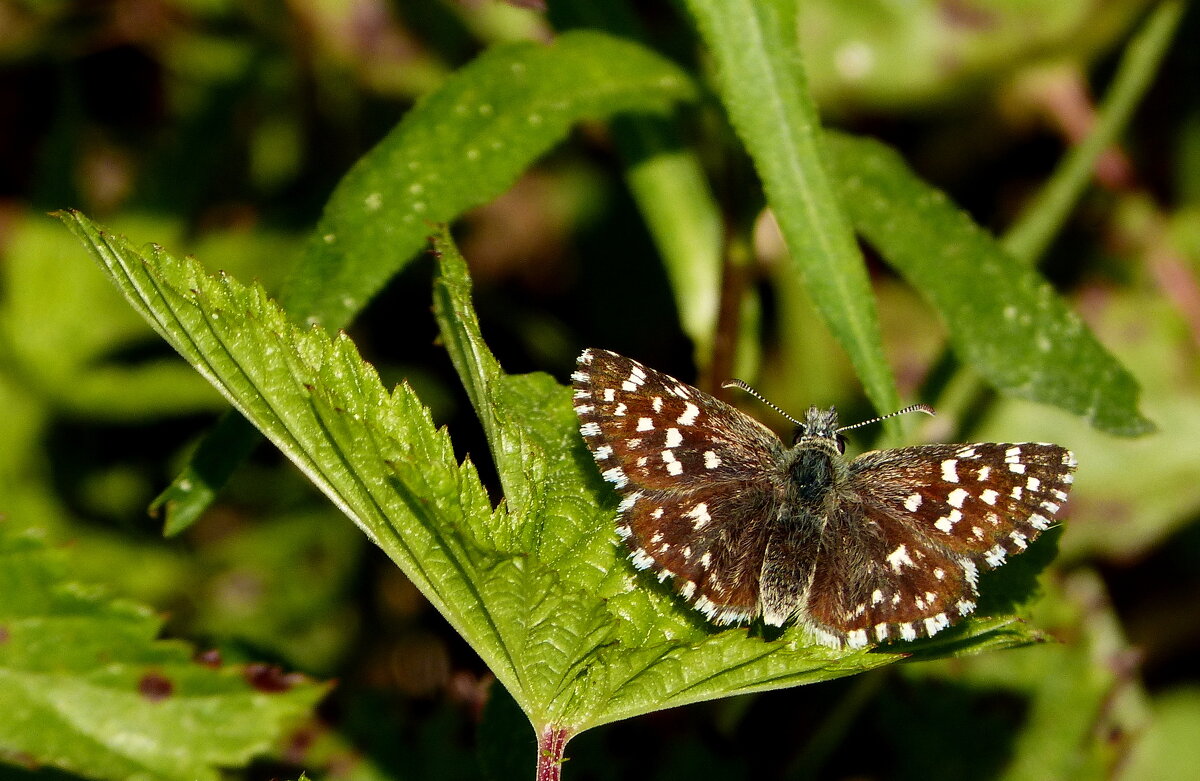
(855, 60)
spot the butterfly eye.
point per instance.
(841, 444)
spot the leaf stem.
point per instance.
(1028, 238)
(552, 742)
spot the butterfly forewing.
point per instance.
(983, 501)
(696, 498)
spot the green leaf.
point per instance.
(763, 90)
(459, 147)
(1003, 318)
(88, 688)
(537, 586)
(376, 455)
(462, 146)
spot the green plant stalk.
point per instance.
(552, 744)
(671, 192)
(1033, 231)
(668, 185)
(763, 89)
(1026, 240)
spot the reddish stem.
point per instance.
(550, 757)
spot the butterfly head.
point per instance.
(819, 426)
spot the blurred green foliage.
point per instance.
(221, 129)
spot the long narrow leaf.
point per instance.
(1002, 317)
(462, 146)
(763, 89)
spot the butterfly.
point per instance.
(887, 546)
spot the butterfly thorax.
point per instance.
(815, 464)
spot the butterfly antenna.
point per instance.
(743, 386)
(928, 410)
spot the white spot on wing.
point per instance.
(899, 558)
(913, 502)
(690, 413)
(615, 476)
(935, 624)
(645, 424)
(700, 515)
(957, 497)
(949, 474)
(674, 438)
(988, 496)
(711, 461)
